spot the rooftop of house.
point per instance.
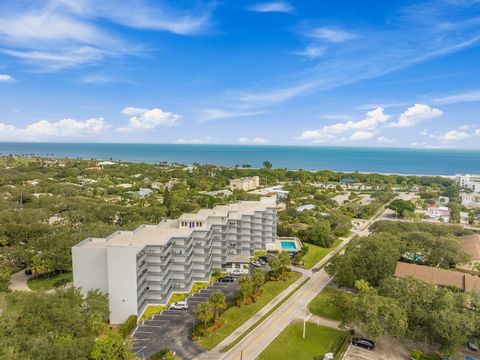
(436, 276)
(160, 234)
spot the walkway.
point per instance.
(18, 281)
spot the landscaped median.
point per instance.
(318, 341)
(235, 316)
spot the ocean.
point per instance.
(362, 159)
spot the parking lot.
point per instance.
(172, 328)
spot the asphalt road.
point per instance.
(250, 347)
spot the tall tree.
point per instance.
(246, 287)
(218, 301)
(204, 312)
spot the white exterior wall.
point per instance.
(90, 269)
(122, 283)
(135, 274)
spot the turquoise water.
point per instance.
(288, 245)
(383, 160)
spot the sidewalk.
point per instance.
(18, 281)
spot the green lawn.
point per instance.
(46, 283)
(316, 253)
(321, 306)
(291, 345)
(235, 316)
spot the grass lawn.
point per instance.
(321, 306)
(291, 345)
(46, 283)
(316, 253)
(235, 316)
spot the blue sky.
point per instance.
(349, 73)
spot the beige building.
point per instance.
(245, 183)
(440, 277)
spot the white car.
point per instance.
(179, 305)
(236, 272)
(256, 263)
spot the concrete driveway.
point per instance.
(18, 281)
(172, 329)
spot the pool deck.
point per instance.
(278, 244)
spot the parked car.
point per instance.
(227, 279)
(179, 305)
(236, 272)
(256, 263)
(472, 346)
(262, 262)
(363, 343)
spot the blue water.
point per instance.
(382, 160)
(288, 245)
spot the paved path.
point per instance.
(255, 342)
(18, 281)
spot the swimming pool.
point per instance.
(288, 245)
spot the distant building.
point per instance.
(302, 208)
(144, 192)
(463, 218)
(438, 213)
(437, 276)
(245, 183)
(33, 182)
(273, 190)
(157, 185)
(125, 186)
(468, 181)
(443, 200)
(471, 200)
(221, 193)
(104, 163)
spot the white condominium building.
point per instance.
(468, 181)
(245, 183)
(147, 265)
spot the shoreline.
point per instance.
(451, 177)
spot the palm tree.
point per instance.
(218, 302)
(204, 312)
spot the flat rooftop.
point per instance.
(160, 234)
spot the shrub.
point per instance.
(129, 325)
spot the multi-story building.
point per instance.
(147, 265)
(468, 181)
(245, 183)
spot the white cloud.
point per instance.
(331, 34)
(477, 132)
(416, 114)
(372, 120)
(274, 6)
(468, 96)
(311, 52)
(208, 115)
(206, 140)
(6, 78)
(65, 127)
(58, 34)
(362, 135)
(256, 140)
(146, 119)
(424, 132)
(45, 129)
(455, 135)
(385, 140)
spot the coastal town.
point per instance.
(216, 262)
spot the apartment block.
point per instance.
(146, 266)
(468, 181)
(245, 183)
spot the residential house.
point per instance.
(438, 213)
(245, 183)
(437, 276)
